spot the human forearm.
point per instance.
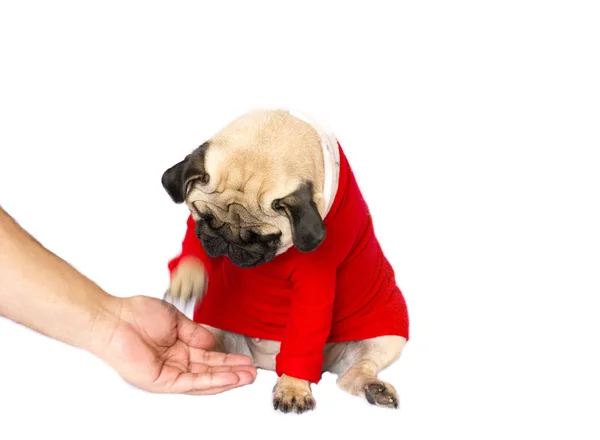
(43, 292)
(144, 339)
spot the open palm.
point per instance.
(156, 348)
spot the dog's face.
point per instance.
(254, 189)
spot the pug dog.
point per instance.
(281, 259)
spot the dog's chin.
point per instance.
(243, 258)
(217, 247)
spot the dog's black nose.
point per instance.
(248, 236)
(268, 238)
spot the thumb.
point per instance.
(192, 333)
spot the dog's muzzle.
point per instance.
(243, 254)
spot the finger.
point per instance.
(212, 391)
(214, 358)
(244, 380)
(203, 368)
(187, 382)
(193, 334)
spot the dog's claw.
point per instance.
(310, 403)
(379, 394)
(297, 404)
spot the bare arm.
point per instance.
(147, 341)
(43, 292)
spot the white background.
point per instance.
(472, 127)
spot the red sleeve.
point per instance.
(191, 246)
(309, 323)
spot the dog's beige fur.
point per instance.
(261, 156)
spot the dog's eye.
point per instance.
(207, 216)
(210, 220)
(248, 235)
(276, 205)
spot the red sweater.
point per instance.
(344, 290)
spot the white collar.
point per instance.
(331, 159)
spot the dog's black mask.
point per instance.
(244, 248)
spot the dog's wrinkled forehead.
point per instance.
(238, 210)
(251, 163)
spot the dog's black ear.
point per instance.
(176, 179)
(308, 230)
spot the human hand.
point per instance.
(156, 348)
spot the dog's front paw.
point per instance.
(293, 395)
(189, 281)
(381, 394)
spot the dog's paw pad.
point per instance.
(287, 401)
(381, 394)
